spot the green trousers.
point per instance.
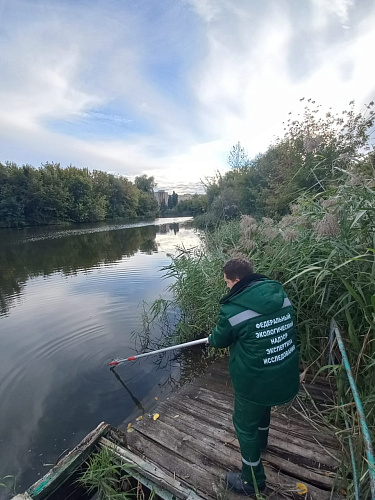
(251, 422)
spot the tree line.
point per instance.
(52, 195)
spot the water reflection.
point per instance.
(137, 403)
(24, 258)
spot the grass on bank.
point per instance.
(110, 479)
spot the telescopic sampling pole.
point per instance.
(116, 362)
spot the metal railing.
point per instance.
(335, 332)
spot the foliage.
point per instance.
(195, 206)
(307, 158)
(172, 200)
(163, 208)
(107, 477)
(238, 157)
(53, 195)
(147, 205)
(196, 288)
(145, 184)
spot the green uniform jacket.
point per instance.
(258, 324)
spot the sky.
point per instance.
(167, 87)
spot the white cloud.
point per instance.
(245, 86)
(339, 8)
(206, 9)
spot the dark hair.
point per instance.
(237, 269)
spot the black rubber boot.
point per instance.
(236, 483)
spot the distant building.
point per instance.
(184, 197)
(161, 196)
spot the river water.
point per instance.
(70, 301)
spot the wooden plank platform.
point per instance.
(194, 441)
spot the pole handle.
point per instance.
(116, 362)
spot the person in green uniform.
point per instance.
(257, 323)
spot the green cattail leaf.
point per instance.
(311, 268)
(353, 293)
(357, 257)
(331, 368)
(357, 217)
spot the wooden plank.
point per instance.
(206, 484)
(319, 392)
(67, 465)
(220, 367)
(199, 479)
(187, 457)
(220, 386)
(293, 445)
(319, 380)
(320, 389)
(226, 403)
(204, 451)
(195, 450)
(198, 475)
(228, 448)
(306, 438)
(280, 483)
(310, 453)
(217, 418)
(323, 399)
(155, 475)
(194, 426)
(300, 447)
(293, 426)
(212, 399)
(222, 403)
(300, 472)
